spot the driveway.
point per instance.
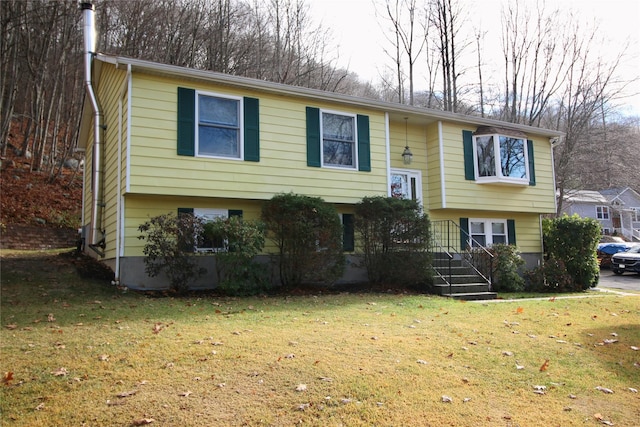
(627, 281)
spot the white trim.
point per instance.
(128, 160)
(411, 174)
(443, 193)
(240, 100)
(355, 140)
(387, 141)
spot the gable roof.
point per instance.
(614, 193)
(396, 111)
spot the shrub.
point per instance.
(169, 248)
(241, 241)
(551, 276)
(395, 240)
(573, 240)
(506, 268)
(308, 234)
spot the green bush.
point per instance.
(169, 248)
(308, 234)
(551, 276)
(507, 263)
(395, 241)
(240, 241)
(573, 240)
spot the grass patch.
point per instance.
(348, 359)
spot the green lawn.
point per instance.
(78, 352)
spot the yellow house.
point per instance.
(161, 138)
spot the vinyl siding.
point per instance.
(156, 168)
(463, 194)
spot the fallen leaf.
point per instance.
(157, 328)
(301, 387)
(127, 393)
(11, 327)
(103, 357)
(60, 372)
(634, 348)
(544, 366)
(540, 387)
(519, 310)
(185, 394)
(40, 407)
(519, 367)
(142, 422)
(604, 390)
(8, 377)
(446, 399)
(115, 403)
(422, 362)
(303, 407)
(50, 318)
(290, 356)
(507, 353)
(633, 390)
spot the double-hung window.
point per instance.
(339, 140)
(212, 243)
(602, 212)
(219, 126)
(635, 214)
(487, 232)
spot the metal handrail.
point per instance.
(479, 258)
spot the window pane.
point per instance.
(485, 156)
(512, 158)
(497, 228)
(499, 239)
(477, 227)
(478, 240)
(337, 127)
(338, 153)
(218, 111)
(216, 141)
(399, 187)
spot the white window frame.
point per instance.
(240, 101)
(635, 214)
(354, 117)
(210, 215)
(499, 178)
(603, 213)
(488, 230)
(411, 174)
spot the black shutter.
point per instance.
(511, 231)
(348, 233)
(532, 168)
(313, 137)
(464, 233)
(364, 150)
(467, 144)
(186, 121)
(251, 130)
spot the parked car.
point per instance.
(606, 250)
(626, 261)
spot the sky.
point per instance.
(357, 32)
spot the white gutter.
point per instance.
(96, 238)
(443, 194)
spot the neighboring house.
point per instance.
(617, 209)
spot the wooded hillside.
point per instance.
(553, 77)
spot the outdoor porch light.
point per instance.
(407, 155)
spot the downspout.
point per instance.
(96, 237)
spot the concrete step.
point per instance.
(473, 296)
(463, 288)
(458, 279)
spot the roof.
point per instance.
(585, 196)
(396, 111)
(614, 193)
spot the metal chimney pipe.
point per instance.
(96, 238)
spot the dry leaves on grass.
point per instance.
(60, 372)
(142, 422)
(8, 377)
